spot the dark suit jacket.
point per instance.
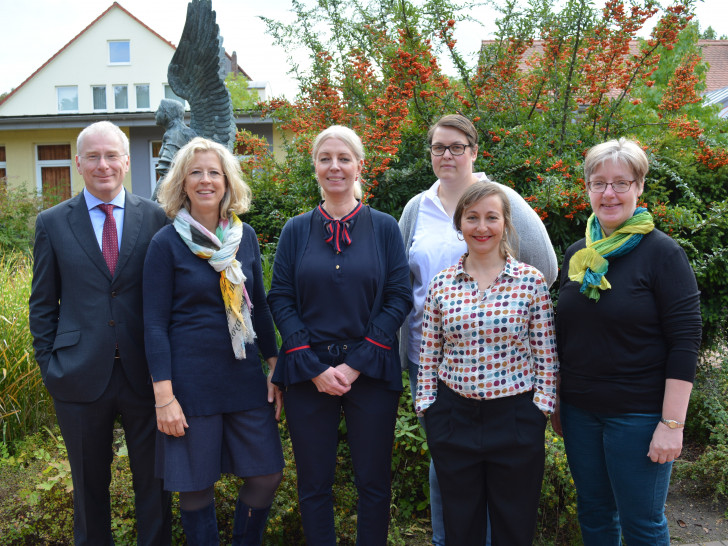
(78, 313)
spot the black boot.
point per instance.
(201, 526)
(249, 524)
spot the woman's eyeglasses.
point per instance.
(455, 149)
(619, 186)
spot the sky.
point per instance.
(34, 30)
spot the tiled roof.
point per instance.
(715, 53)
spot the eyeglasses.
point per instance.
(109, 159)
(619, 186)
(455, 149)
(196, 175)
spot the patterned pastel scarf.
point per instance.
(221, 256)
(589, 265)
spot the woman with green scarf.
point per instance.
(628, 332)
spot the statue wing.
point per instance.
(197, 74)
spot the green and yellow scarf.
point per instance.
(589, 265)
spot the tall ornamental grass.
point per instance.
(25, 405)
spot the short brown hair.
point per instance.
(172, 196)
(459, 122)
(481, 190)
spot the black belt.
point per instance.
(334, 352)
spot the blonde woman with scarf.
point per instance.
(205, 320)
(628, 332)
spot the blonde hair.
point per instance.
(172, 196)
(481, 190)
(624, 151)
(348, 137)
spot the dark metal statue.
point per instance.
(170, 115)
(197, 74)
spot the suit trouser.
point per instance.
(313, 419)
(87, 430)
(487, 453)
(436, 519)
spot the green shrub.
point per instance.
(707, 425)
(557, 511)
(18, 209)
(410, 463)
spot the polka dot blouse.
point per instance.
(490, 345)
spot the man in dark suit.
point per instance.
(88, 334)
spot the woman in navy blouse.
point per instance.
(206, 318)
(340, 291)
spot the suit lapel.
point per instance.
(80, 223)
(132, 226)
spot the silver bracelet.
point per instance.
(167, 404)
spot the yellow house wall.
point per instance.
(278, 151)
(20, 154)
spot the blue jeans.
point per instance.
(620, 491)
(438, 522)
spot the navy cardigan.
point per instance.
(186, 331)
(377, 354)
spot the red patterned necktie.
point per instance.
(109, 240)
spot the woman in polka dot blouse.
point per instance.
(486, 381)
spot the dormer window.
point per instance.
(119, 52)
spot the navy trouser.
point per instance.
(489, 454)
(436, 519)
(87, 430)
(313, 419)
(620, 491)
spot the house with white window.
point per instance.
(115, 69)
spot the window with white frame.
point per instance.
(169, 94)
(121, 97)
(99, 96)
(67, 98)
(119, 52)
(142, 96)
(53, 172)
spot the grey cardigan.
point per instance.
(534, 245)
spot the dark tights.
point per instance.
(256, 492)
